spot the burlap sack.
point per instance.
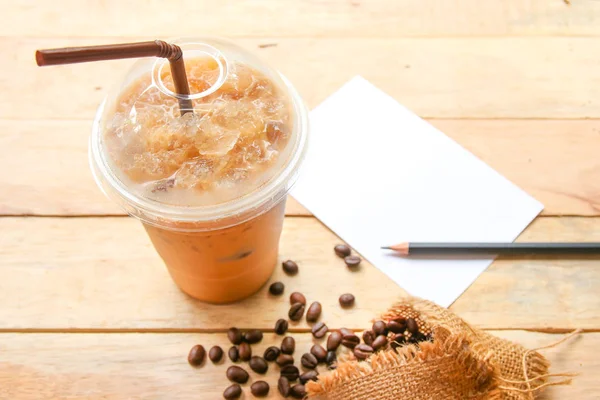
(504, 354)
(444, 369)
(498, 368)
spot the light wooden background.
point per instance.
(87, 309)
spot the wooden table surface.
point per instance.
(88, 310)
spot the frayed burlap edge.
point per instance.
(456, 346)
(523, 375)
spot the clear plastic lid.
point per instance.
(233, 158)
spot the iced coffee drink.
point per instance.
(209, 185)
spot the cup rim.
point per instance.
(201, 218)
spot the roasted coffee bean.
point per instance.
(290, 372)
(400, 320)
(253, 336)
(297, 297)
(234, 354)
(235, 335)
(318, 351)
(362, 351)
(314, 312)
(412, 340)
(298, 391)
(379, 343)
(309, 361)
(342, 251)
(284, 359)
(347, 300)
(397, 340)
(276, 288)
(346, 331)
(232, 392)
(245, 351)
(258, 365)
(334, 340)
(281, 326)
(283, 385)
(259, 389)
(352, 261)
(319, 330)
(288, 345)
(237, 374)
(215, 354)
(290, 267)
(272, 353)
(350, 341)
(368, 337)
(309, 376)
(396, 327)
(412, 326)
(196, 355)
(296, 311)
(417, 338)
(331, 358)
(379, 328)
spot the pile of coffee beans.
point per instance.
(382, 335)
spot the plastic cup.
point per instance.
(220, 252)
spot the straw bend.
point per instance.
(156, 48)
(71, 55)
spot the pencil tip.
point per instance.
(401, 248)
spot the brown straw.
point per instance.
(157, 48)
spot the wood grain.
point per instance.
(555, 161)
(90, 311)
(330, 18)
(543, 294)
(91, 263)
(516, 77)
(142, 366)
(103, 274)
(47, 171)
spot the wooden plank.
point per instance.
(113, 261)
(553, 160)
(554, 293)
(126, 366)
(54, 177)
(527, 77)
(86, 266)
(331, 18)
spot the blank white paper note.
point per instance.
(376, 174)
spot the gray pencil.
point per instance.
(524, 248)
